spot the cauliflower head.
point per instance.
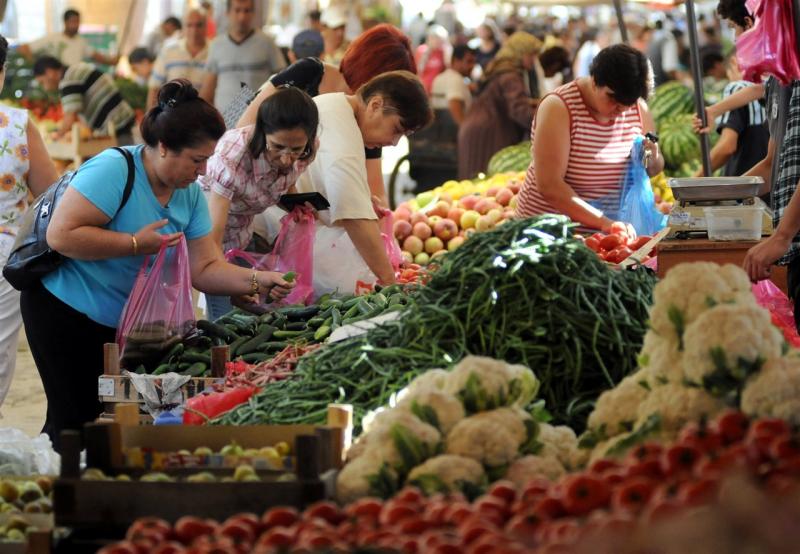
(616, 409)
(528, 468)
(436, 407)
(367, 475)
(690, 289)
(728, 343)
(774, 391)
(448, 473)
(677, 405)
(661, 361)
(485, 439)
(561, 443)
(434, 379)
(400, 439)
(484, 384)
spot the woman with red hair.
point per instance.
(380, 49)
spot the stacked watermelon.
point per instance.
(671, 99)
(514, 158)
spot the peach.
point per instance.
(484, 205)
(454, 243)
(455, 214)
(469, 218)
(422, 230)
(504, 196)
(440, 208)
(418, 217)
(402, 229)
(433, 244)
(413, 245)
(484, 223)
(468, 202)
(445, 229)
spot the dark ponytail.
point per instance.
(181, 119)
(286, 108)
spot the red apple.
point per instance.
(402, 214)
(491, 191)
(504, 196)
(455, 214)
(468, 202)
(484, 205)
(441, 208)
(514, 187)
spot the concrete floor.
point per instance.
(25, 405)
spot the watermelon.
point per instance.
(679, 143)
(671, 99)
(713, 90)
(516, 157)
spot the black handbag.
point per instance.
(31, 258)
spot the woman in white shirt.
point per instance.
(380, 112)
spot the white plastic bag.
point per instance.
(21, 455)
(338, 267)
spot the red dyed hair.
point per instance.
(380, 49)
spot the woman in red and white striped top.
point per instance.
(585, 132)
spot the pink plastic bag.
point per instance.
(769, 296)
(769, 47)
(159, 311)
(389, 242)
(293, 251)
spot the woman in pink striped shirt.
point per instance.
(587, 128)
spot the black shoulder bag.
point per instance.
(31, 258)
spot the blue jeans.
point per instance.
(217, 306)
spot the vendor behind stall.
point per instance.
(253, 166)
(384, 109)
(582, 138)
(77, 307)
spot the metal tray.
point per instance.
(703, 189)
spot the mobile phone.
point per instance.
(290, 201)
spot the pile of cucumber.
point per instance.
(257, 338)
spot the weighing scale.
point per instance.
(687, 218)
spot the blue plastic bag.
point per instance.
(634, 202)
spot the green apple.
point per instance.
(243, 471)
(203, 451)
(29, 491)
(94, 474)
(156, 477)
(8, 491)
(231, 449)
(202, 477)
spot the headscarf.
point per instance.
(509, 57)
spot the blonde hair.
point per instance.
(509, 57)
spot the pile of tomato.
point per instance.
(414, 273)
(612, 496)
(617, 245)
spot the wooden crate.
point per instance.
(115, 389)
(114, 505)
(38, 541)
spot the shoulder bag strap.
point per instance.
(131, 176)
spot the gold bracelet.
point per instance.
(135, 245)
(254, 286)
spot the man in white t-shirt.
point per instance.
(68, 47)
(450, 90)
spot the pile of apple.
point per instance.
(435, 223)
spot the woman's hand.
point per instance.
(760, 258)
(610, 227)
(273, 285)
(149, 240)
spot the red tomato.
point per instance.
(611, 242)
(632, 496)
(393, 512)
(189, 528)
(699, 492)
(602, 465)
(413, 526)
(639, 241)
(325, 510)
(734, 456)
(474, 528)
(277, 537)
(619, 254)
(584, 493)
(592, 243)
(535, 489)
(237, 531)
(435, 512)
(152, 526)
(249, 519)
(409, 495)
(170, 547)
(365, 508)
(731, 425)
(701, 435)
(457, 512)
(503, 490)
(647, 468)
(522, 528)
(769, 426)
(214, 544)
(785, 448)
(615, 476)
(548, 508)
(492, 509)
(644, 452)
(279, 517)
(680, 459)
(124, 547)
(661, 510)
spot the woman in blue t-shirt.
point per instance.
(76, 310)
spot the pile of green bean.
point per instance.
(525, 292)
